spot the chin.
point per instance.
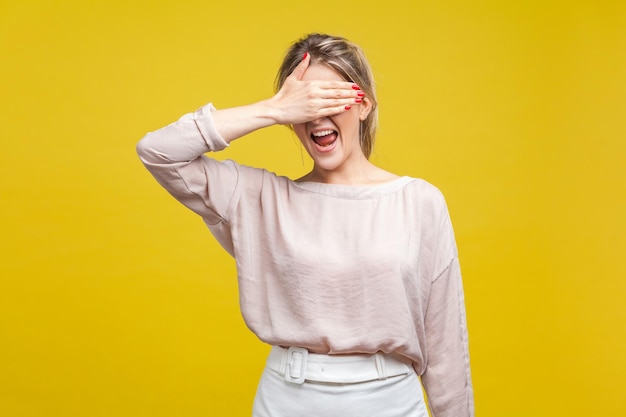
(329, 163)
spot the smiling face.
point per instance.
(332, 142)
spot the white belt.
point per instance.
(297, 365)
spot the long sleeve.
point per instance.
(174, 156)
(447, 378)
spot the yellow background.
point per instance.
(116, 301)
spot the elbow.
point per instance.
(143, 145)
(145, 150)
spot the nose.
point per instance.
(318, 121)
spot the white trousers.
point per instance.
(296, 383)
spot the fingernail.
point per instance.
(358, 100)
(355, 87)
(348, 107)
(360, 94)
(305, 55)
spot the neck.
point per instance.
(361, 172)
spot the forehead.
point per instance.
(321, 72)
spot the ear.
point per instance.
(365, 108)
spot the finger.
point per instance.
(339, 85)
(334, 106)
(335, 93)
(337, 109)
(299, 71)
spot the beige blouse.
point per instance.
(331, 268)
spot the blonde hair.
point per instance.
(349, 61)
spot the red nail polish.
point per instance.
(347, 107)
(358, 100)
(355, 87)
(305, 55)
(360, 94)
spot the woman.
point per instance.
(349, 272)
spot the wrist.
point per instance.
(270, 112)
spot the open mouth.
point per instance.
(324, 138)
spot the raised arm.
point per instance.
(174, 153)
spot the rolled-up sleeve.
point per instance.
(174, 155)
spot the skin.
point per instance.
(313, 98)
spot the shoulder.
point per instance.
(425, 192)
(254, 180)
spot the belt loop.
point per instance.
(380, 366)
(295, 364)
(283, 361)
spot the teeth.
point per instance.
(322, 133)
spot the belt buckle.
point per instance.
(295, 367)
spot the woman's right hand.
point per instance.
(300, 101)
